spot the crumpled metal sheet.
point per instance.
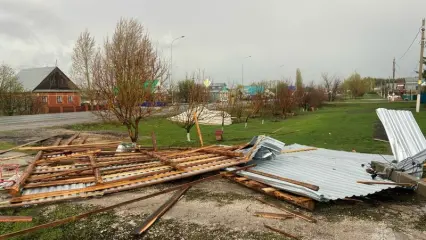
(335, 172)
(405, 137)
(262, 147)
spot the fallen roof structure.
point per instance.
(64, 172)
(335, 172)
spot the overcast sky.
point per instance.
(334, 36)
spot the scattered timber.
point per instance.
(300, 201)
(295, 214)
(71, 146)
(298, 150)
(278, 216)
(280, 232)
(87, 214)
(387, 183)
(16, 218)
(26, 144)
(160, 212)
(306, 185)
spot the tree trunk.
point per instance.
(188, 136)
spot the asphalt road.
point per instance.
(10, 123)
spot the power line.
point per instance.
(403, 55)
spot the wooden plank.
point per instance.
(84, 140)
(278, 216)
(300, 201)
(295, 182)
(15, 189)
(202, 161)
(69, 140)
(151, 179)
(223, 152)
(26, 144)
(57, 142)
(160, 212)
(201, 166)
(87, 214)
(190, 151)
(71, 146)
(200, 136)
(70, 156)
(191, 158)
(281, 232)
(154, 141)
(90, 179)
(16, 218)
(387, 183)
(95, 170)
(14, 157)
(295, 214)
(59, 174)
(298, 150)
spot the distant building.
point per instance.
(219, 92)
(54, 90)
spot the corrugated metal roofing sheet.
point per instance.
(335, 172)
(405, 137)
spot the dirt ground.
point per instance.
(221, 209)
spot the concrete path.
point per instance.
(10, 123)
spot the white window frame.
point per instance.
(43, 98)
(70, 97)
(59, 99)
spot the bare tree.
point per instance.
(196, 95)
(331, 84)
(82, 62)
(286, 100)
(125, 73)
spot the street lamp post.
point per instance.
(242, 71)
(171, 66)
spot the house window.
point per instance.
(44, 99)
(70, 99)
(59, 99)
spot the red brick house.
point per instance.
(54, 90)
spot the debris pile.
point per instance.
(298, 174)
(63, 172)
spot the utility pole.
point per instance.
(419, 86)
(393, 75)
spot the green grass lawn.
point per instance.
(336, 126)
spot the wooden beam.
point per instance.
(57, 142)
(190, 151)
(298, 150)
(26, 144)
(16, 218)
(280, 232)
(387, 183)
(223, 152)
(69, 140)
(87, 214)
(295, 182)
(295, 214)
(14, 157)
(95, 170)
(83, 141)
(154, 141)
(202, 161)
(191, 158)
(70, 146)
(200, 136)
(279, 216)
(304, 202)
(160, 212)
